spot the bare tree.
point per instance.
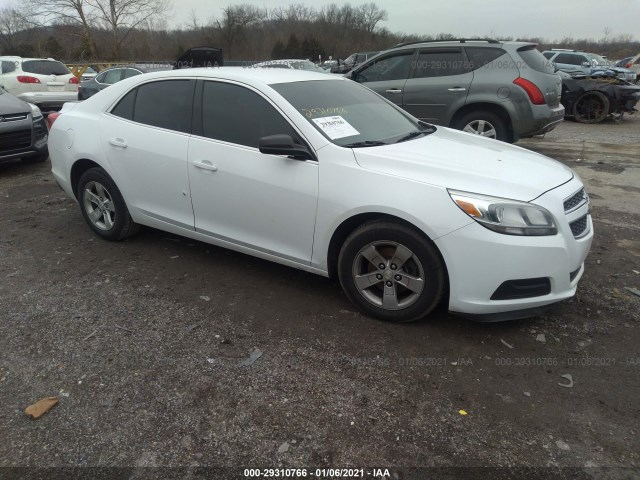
(42, 12)
(235, 20)
(370, 15)
(11, 22)
(121, 17)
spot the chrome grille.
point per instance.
(575, 200)
(579, 227)
(14, 117)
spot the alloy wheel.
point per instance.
(481, 127)
(99, 206)
(388, 275)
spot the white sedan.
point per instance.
(322, 174)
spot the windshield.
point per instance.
(44, 67)
(349, 114)
(598, 60)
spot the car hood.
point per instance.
(462, 161)
(10, 104)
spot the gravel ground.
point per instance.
(152, 346)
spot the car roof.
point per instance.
(255, 76)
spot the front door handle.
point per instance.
(118, 142)
(205, 165)
(394, 90)
(457, 89)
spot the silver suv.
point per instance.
(502, 90)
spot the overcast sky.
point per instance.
(551, 19)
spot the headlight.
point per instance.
(505, 216)
(35, 112)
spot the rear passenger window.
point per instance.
(440, 62)
(482, 56)
(238, 115)
(7, 66)
(165, 104)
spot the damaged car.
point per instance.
(592, 99)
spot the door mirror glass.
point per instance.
(284, 145)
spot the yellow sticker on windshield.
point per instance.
(311, 112)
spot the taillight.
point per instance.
(535, 95)
(74, 80)
(52, 118)
(27, 79)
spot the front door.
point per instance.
(264, 202)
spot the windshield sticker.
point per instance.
(335, 127)
(310, 112)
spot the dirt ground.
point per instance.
(144, 341)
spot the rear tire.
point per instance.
(103, 207)
(484, 123)
(391, 272)
(591, 107)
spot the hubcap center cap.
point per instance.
(388, 275)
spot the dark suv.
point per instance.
(502, 90)
(23, 132)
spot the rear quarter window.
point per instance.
(535, 60)
(44, 67)
(482, 56)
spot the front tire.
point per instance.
(391, 272)
(485, 124)
(103, 207)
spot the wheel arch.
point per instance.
(490, 107)
(77, 170)
(348, 225)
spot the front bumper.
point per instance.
(479, 261)
(49, 101)
(23, 139)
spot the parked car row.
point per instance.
(587, 64)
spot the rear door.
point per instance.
(438, 85)
(145, 138)
(387, 75)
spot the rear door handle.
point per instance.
(394, 90)
(118, 142)
(205, 165)
(457, 89)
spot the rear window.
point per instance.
(535, 60)
(44, 67)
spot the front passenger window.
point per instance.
(393, 67)
(235, 114)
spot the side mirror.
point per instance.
(284, 145)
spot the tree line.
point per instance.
(127, 30)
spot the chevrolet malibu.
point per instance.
(320, 173)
